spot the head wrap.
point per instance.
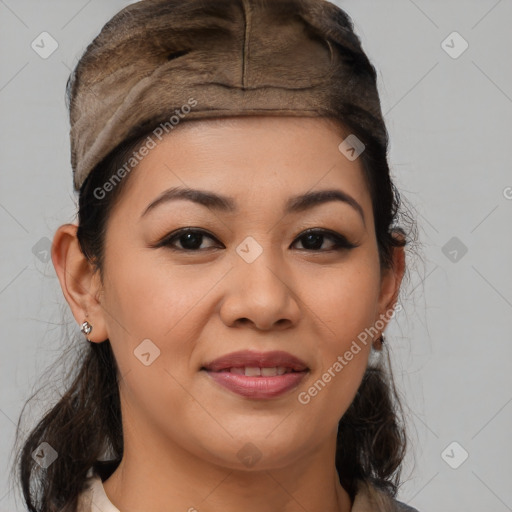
(162, 62)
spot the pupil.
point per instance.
(189, 239)
(316, 238)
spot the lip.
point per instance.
(253, 358)
(260, 387)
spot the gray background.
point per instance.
(450, 123)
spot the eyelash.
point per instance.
(340, 242)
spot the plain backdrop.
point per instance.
(445, 80)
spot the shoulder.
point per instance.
(369, 498)
(84, 503)
(93, 498)
(402, 507)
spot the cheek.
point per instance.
(150, 298)
(345, 299)
(346, 307)
(163, 303)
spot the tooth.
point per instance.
(251, 371)
(238, 371)
(269, 372)
(281, 370)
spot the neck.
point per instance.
(148, 480)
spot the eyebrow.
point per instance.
(226, 204)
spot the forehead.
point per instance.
(259, 161)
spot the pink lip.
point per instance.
(259, 387)
(260, 359)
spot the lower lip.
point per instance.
(258, 387)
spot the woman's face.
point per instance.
(246, 277)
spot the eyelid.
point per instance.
(341, 242)
(328, 233)
(165, 241)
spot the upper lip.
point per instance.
(250, 358)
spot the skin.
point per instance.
(182, 431)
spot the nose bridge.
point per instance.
(260, 290)
(261, 265)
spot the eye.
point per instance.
(313, 239)
(190, 239)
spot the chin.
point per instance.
(259, 452)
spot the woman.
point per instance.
(235, 263)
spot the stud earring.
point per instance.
(379, 342)
(86, 329)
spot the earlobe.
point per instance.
(79, 281)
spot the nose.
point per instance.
(260, 295)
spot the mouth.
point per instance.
(254, 361)
(256, 371)
(257, 375)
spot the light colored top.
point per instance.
(367, 499)
(94, 498)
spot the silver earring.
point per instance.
(86, 329)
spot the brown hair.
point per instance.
(84, 426)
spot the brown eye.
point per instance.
(313, 240)
(189, 239)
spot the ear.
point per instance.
(79, 280)
(391, 279)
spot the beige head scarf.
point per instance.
(161, 62)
